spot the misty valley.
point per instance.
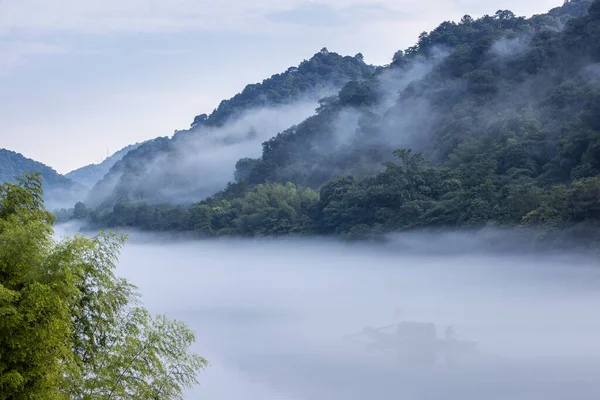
(428, 228)
(273, 316)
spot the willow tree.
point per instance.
(70, 328)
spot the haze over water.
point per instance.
(270, 316)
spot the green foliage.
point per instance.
(34, 314)
(264, 210)
(275, 209)
(143, 358)
(69, 328)
(408, 193)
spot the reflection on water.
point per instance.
(271, 318)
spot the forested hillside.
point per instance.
(89, 175)
(59, 191)
(497, 122)
(182, 170)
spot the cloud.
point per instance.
(372, 25)
(14, 53)
(115, 16)
(324, 15)
(271, 315)
(166, 52)
(309, 14)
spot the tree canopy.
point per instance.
(70, 328)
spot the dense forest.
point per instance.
(59, 191)
(484, 122)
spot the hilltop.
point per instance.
(90, 174)
(174, 170)
(59, 191)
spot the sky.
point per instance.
(80, 79)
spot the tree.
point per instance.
(466, 20)
(199, 119)
(69, 328)
(505, 14)
(356, 93)
(398, 55)
(80, 211)
(34, 299)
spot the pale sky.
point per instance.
(79, 78)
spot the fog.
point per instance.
(271, 316)
(396, 129)
(195, 164)
(202, 164)
(63, 196)
(418, 107)
(356, 139)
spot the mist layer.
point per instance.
(271, 316)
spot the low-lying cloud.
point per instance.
(196, 164)
(271, 316)
(201, 164)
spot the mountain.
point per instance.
(488, 122)
(197, 162)
(59, 191)
(91, 174)
(436, 95)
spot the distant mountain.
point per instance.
(194, 163)
(59, 191)
(491, 122)
(91, 174)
